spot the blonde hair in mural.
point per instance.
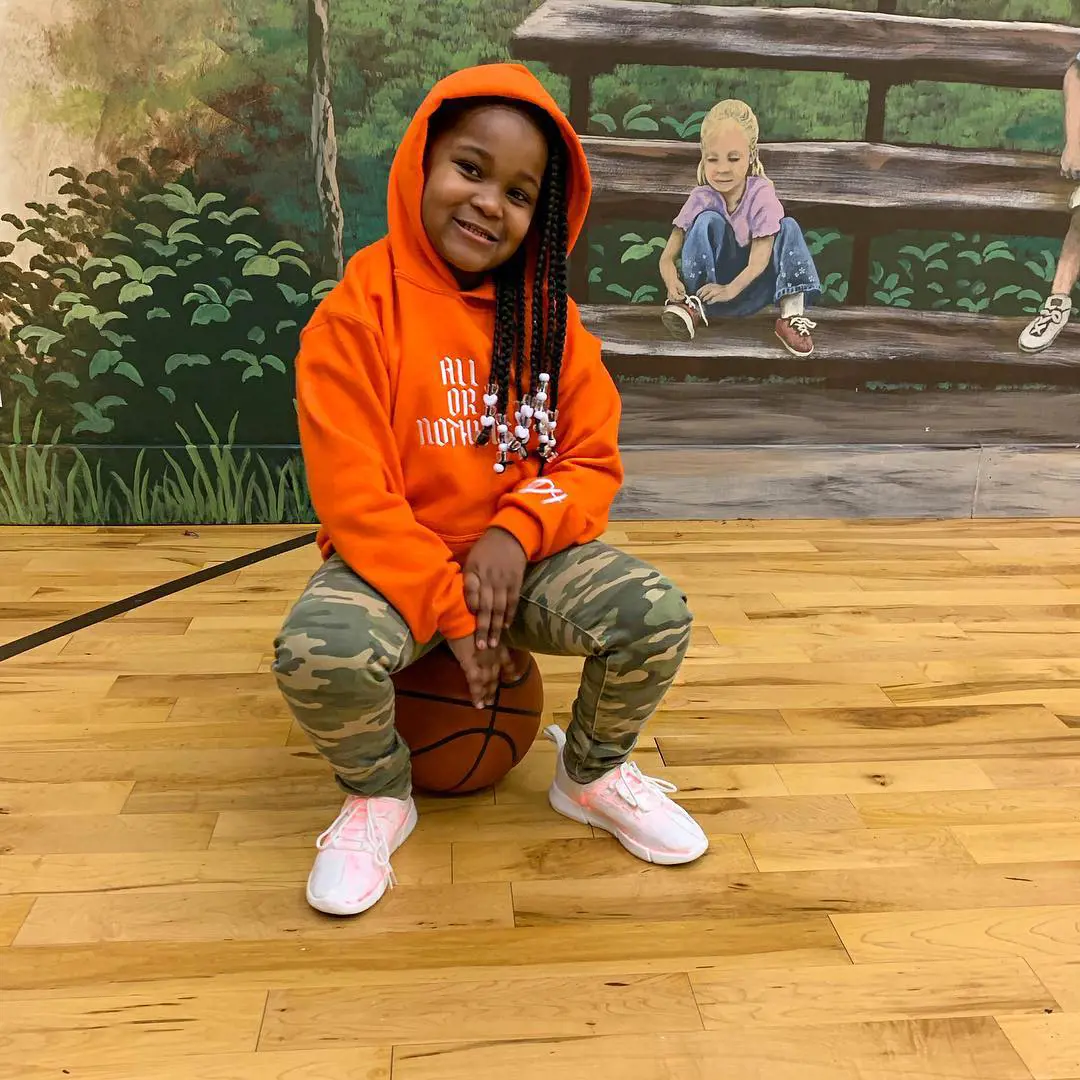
(731, 110)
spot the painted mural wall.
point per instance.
(183, 181)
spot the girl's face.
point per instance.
(726, 155)
(482, 182)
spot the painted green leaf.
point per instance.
(186, 237)
(228, 219)
(257, 334)
(285, 324)
(245, 253)
(150, 230)
(209, 292)
(91, 264)
(322, 288)
(132, 268)
(129, 372)
(274, 362)
(286, 245)
(67, 272)
(70, 298)
(263, 266)
(107, 277)
(158, 313)
(64, 377)
(238, 295)
(166, 251)
(179, 360)
(294, 261)
(153, 272)
(119, 340)
(134, 290)
(254, 372)
(103, 360)
(168, 393)
(101, 321)
(209, 313)
(26, 382)
(241, 355)
(82, 311)
(244, 238)
(119, 237)
(209, 199)
(197, 297)
(179, 225)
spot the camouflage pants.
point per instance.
(342, 641)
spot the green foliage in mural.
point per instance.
(142, 293)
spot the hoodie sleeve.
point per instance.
(570, 501)
(354, 473)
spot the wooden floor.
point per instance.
(878, 725)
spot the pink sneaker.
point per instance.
(352, 869)
(632, 807)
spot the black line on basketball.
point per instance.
(457, 735)
(442, 699)
(488, 732)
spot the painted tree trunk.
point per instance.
(324, 149)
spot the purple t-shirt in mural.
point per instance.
(758, 213)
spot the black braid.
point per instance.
(546, 322)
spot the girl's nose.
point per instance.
(487, 201)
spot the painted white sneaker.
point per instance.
(632, 807)
(1041, 332)
(352, 869)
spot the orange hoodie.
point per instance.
(390, 379)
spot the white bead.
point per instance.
(543, 438)
(551, 444)
(552, 425)
(499, 467)
(487, 421)
(491, 399)
(527, 411)
(544, 377)
(541, 396)
(521, 432)
(504, 447)
(503, 429)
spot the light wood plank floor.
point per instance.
(878, 725)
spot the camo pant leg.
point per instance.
(333, 660)
(630, 623)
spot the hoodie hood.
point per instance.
(412, 251)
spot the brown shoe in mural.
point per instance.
(794, 332)
(682, 317)
(1040, 333)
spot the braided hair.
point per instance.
(527, 319)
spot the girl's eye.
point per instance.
(520, 196)
(468, 168)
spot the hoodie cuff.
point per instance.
(523, 527)
(457, 622)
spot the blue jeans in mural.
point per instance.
(711, 255)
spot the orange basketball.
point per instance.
(455, 747)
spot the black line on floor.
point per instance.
(148, 596)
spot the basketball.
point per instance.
(455, 747)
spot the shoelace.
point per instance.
(640, 791)
(1048, 316)
(695, 301)
(373, 841)
(802, 325)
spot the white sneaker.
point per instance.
(632, 807)
(1041, 332)
(352, 869)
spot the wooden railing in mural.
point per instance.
(868, 188)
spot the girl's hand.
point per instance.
(493, 573)
(481, 674)
(676, 290)
(716, 294)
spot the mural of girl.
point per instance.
(740, 252)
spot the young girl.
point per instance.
(740, 253)
(460, 435)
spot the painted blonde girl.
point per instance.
(740, 252)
